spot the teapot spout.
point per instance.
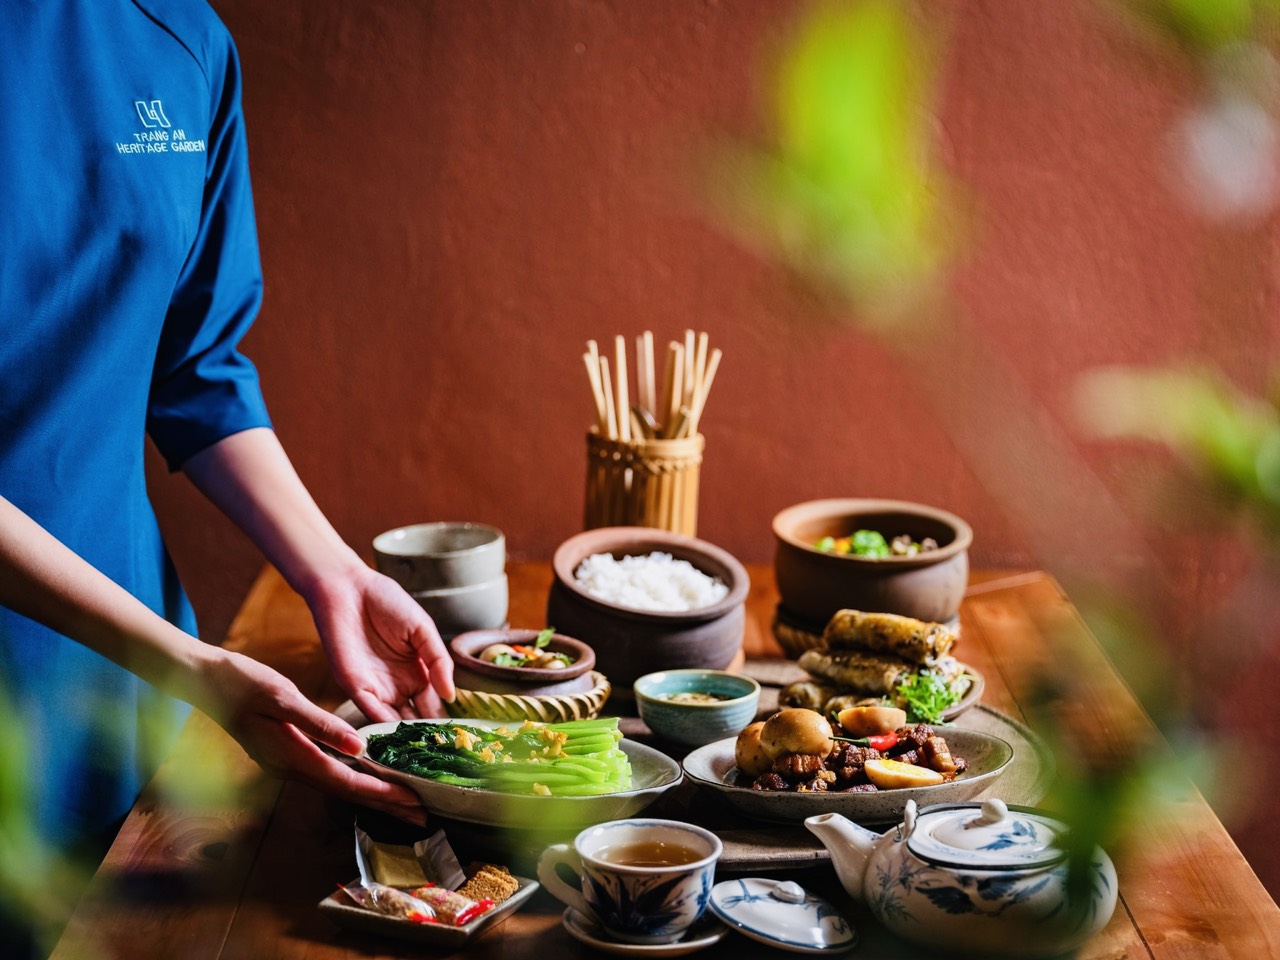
(850, 847)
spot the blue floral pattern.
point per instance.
(981, 894)
(812, 923)
(645, 905)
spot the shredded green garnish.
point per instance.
(926, 696)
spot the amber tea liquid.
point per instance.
(648, 853)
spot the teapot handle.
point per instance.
(909, 819)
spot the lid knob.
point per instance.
(789, 892)
(993, 811)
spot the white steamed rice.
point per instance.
(653, 581)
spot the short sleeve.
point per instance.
(203, 388)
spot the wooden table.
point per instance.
(241, 878)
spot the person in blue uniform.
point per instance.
(129, 271)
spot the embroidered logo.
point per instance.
(153, 115)
(157, 135)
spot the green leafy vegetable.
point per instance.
(575, 758)
(869, 543)
(926, 696)
(544, 637)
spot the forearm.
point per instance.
(249, 477)
(43, 579)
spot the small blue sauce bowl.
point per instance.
(737, 698)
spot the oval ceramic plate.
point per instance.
(652, 774)
(713, 767)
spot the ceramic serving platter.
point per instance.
(713, 767)
(652, 774)
(339, 908)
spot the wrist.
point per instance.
(317, 576)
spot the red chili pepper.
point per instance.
(881, 742)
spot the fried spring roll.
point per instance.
(810, 694)
(860, 672)
(915, 641)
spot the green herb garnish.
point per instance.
(926, 696)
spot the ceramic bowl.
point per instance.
(472, 673)
(694, 724)
(437, 556)
(630, 642)
(455, 610)
(813, 584)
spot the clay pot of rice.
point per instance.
(647, 599)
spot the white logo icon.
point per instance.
(153, 115)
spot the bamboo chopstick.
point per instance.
(649, 400)
(700, 401)
(611, 419)
(689, 367)
(597, 392)
(641, 409)
(621, 402)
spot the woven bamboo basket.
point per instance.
(643, 483)
(553, 708)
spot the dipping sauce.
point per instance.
(691, 696)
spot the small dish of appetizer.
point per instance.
(527, 662)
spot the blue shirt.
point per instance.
(128, 273)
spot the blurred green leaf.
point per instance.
(1231, 438)
(848, 195)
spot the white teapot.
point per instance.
(972, 878)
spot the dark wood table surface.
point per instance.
(239, 875)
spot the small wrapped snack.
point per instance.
(492, 881)
(451, 907)
(391, 901)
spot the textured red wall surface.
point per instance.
(454, 197)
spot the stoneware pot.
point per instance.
(438, 556)
(629, 642)
(477, 606)
(472, 673)
(813, 584)
(973, 879)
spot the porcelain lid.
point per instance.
(989, 836)
(782, 914)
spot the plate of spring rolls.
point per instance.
(863, 657)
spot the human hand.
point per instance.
(385, 651)
(276, 725)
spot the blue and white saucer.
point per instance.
(782, 914)
(707, 931)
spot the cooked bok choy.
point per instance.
(571, 759)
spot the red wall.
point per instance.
(454, 197)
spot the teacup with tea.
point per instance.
(645, 881)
